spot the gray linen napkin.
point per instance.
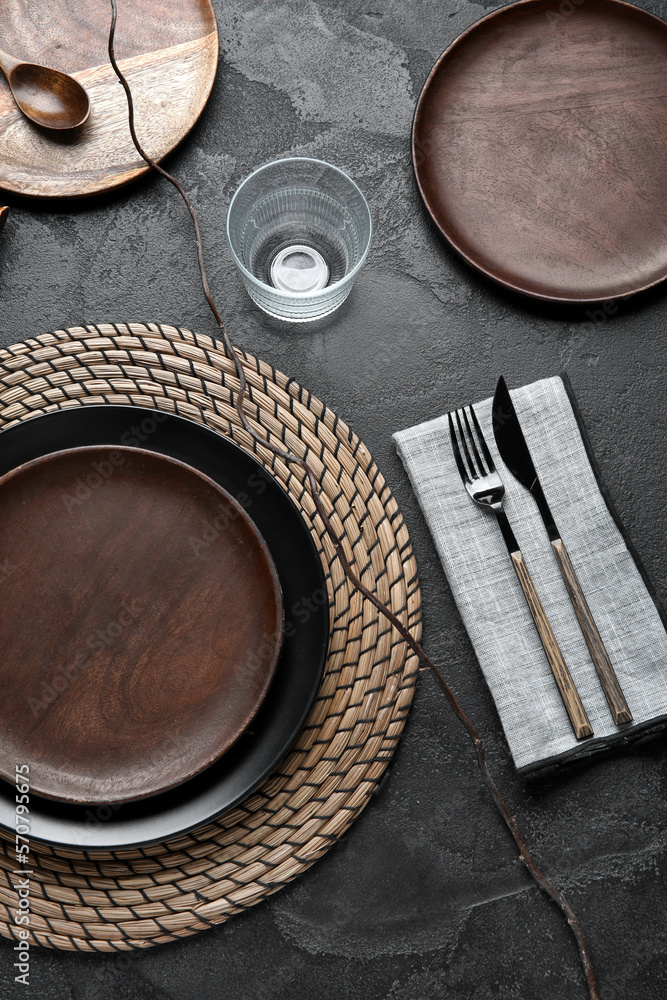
(491, 601)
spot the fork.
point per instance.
(486, 488)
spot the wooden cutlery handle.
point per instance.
(618, 706)
(573, 705)
(7, 62)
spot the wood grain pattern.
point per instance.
(538, 146)
(49, 97)
(140, 623)
(573, 705)
(618, 706)
(169, 61)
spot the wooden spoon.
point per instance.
(46, 96)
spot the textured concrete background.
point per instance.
(424, 898)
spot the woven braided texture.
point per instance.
(115, 901)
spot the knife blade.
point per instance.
(516, 456)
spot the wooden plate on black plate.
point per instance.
(298, 674)
(539, 148)
(297, 677)
(140, 623)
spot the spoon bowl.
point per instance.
(46, 96)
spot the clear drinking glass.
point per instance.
(299, 230)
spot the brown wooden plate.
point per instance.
(140, 623)
(169, 56)
(296, 682)
(539, 146)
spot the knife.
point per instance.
(516, 456)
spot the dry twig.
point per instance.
(287, 456)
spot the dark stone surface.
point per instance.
(424, 898)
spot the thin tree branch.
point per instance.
(524, 854)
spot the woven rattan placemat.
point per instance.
(102, 901)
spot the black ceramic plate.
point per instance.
(301, 663)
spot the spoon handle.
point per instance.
(8, 63)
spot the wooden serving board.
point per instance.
(169, 57)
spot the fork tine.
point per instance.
(473, 442)
(463, 472)
(482, 441)
(464, 441)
